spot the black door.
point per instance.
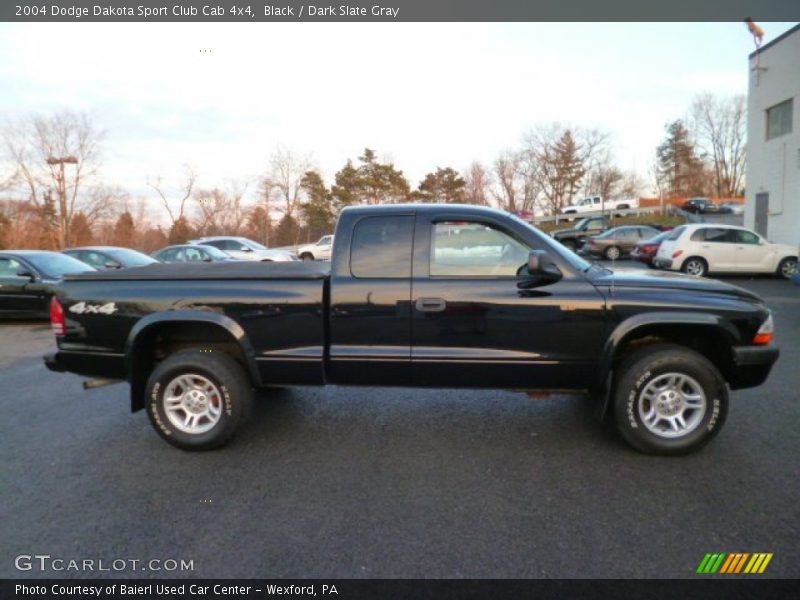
(19, 296)
(473, 326)
(370, 336)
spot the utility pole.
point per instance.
(63, 233)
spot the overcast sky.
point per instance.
(425, 95)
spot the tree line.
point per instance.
(52, 195)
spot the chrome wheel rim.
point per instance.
(192, 403)
(789, 268)
(612, 253)
(672, 405)
(695, 268)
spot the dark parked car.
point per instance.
(704, 206)
(646, 250)
(192, 253)
(27, 278)
(619, 241)
(433, 295)
(574, 237)
(110, 257)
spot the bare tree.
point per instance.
(182, 195)
(507, 175)
(478, 184)
(282, 183)
(720, 127)
(54, 158)
(221, 211)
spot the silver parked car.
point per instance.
(242, 248)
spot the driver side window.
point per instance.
(473, 249)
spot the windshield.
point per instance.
(658, 238)
(130, 258)
(215, 252)
(254, 245)
(56, 264)
(676, 233)
(573, 259)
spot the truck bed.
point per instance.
(204, 271)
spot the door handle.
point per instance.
(430, 304)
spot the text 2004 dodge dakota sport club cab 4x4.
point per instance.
(425, 296)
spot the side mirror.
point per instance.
(112, 265)
(246, 249)
(207, 259)
(26, 273)
(540, 270)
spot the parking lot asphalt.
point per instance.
(358, 482)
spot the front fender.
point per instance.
(632, 325)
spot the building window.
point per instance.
(779, 119)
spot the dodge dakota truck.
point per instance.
(426, 296)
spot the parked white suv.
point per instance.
(242, 248)
(319, 251)
(701, 248)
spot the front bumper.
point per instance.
(752, 365)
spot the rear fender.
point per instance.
(146, 325)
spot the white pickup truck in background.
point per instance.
(321, 250)
(596, 204)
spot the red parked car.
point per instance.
(646, 250)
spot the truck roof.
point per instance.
(420, 207)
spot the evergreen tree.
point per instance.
(317, 211)
(80, 231)
(180, 232)
(679, 169)
(124, 230)
(372, 182)
(444, 185)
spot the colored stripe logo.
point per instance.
(735, 562)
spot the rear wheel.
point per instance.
(787, 267)
(570, 244)
(612, 253)
(196, 399)
(695, 266)
(669, 400)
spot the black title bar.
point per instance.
(397, 10)
(389, 589)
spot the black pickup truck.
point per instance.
(423, 296)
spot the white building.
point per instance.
(773, 140)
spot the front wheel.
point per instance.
(196, 399)
(306, 256)
(570, 245)
(787, 267)
(695, 266)
(669, 400)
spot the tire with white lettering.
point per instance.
(196, 399)
(669, 400)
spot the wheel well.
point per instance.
(711, 342)
(159, 341)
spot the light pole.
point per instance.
(62, 193)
